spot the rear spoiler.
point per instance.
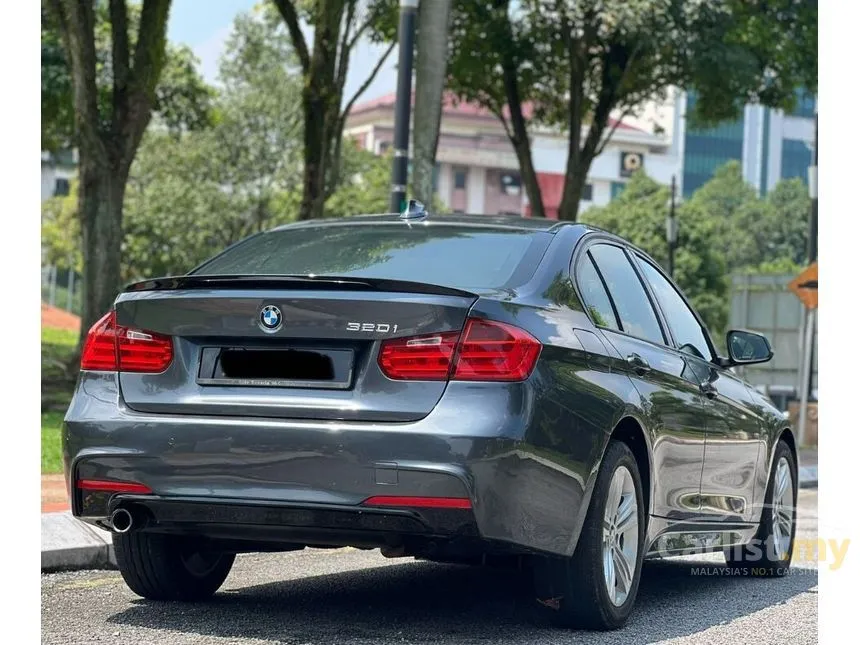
(316, 283)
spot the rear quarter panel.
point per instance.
(578, 401)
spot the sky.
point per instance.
(204, 25)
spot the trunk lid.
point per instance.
(319, 362)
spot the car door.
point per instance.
(621, 308)
(733, 432)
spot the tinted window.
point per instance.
(453, 256)
(594, 295)
(634, 309)
(686, 329)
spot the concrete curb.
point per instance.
(69, 544)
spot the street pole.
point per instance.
(813, 240)
(811, 314)
(671, 231)
(403, 104)
(813, 194)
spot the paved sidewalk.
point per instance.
(808, 467)
(54, 495)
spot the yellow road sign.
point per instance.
(805, 286)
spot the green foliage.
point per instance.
(58, 371)
(755, 230)
(182, 98)
(189, 196)
(576, 62)
(57, 112)
(52, 443)
(365, 184)
(61, 230)
(723, 228)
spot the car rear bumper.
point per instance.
(307, 482)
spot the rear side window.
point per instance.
(632, 303)
(452, 256)
(594, 294)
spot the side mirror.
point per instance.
(747, 347)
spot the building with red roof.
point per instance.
(477, 170)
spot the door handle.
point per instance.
(638, 364)
(707, 388)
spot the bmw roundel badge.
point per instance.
(270, 317)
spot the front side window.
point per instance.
(682, 321)
(631, 302)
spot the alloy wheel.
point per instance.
(783, 508)
(620, 536)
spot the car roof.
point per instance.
(470, 221)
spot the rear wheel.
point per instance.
(597, 587)
(769, 553)
(166, 567)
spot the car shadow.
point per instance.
(419, 601)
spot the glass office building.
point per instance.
(770, 144)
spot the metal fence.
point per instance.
(61, 288)
(764, 304)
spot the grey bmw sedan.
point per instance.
(453, 388)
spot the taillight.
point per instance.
(113, 347)
(486, 350)
(99, 351)
(420, 358)
(494, 351)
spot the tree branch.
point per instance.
(119, 62)
(344, 50)
(359, 32)
(367, 81)
(149, 58)
(287, 9)
(611, 132)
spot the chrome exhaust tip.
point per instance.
(121, 521)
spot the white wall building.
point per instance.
(58, 170)
(477, 170)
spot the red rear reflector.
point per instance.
(112, 347)
(113, 487)
(419, 502)
(485, 351)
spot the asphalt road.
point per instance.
(350, 596)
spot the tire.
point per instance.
(575, 589)
(166, 567)
(769, 553)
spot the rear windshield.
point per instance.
(453, 256)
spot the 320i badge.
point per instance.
(446, 388)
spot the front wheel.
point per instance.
(167, 567)
(769, 553)
(596, 588)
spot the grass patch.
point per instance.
(58, 373)
(58, 383)
(52, 460)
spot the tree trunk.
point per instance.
(316, 143)
(100, 197)
(519, 137)
(574, 182)
(431, 66)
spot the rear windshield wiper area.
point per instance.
(294, 282)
